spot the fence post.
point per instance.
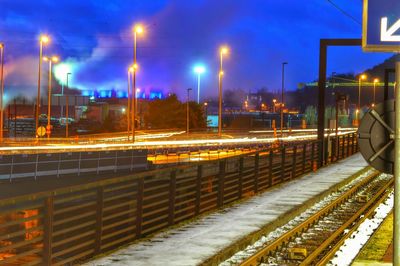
(294, 161)
(198, 187)
(139, 207)
(353, 141)
(99, 219)
(256, 170)
(312, 156)
(348, 145)
(36, 165)
(304, 158)
(343, 146)
(221, 181)
(172, 190)
(48, 230)
(271, 156)
(283, 154)
(241, 159)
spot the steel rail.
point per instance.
(258, 257)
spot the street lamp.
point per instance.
(137, 97)
(138, 29)
(187, 111)
(199, 70)
(128, 114)
(274, 102)
(375, 82)
(53, 59)
(282, 99)
(223, 51)
(1, 89)
(360, 78)
(43, 40)
(67, 108)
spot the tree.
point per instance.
(171, 113)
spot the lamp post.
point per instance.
(282, 98)
(128, 114)
(67, 108)
(43, 40)
(198, 70)
(361, 77)
(53, 59)
(1, 89)
(137, 30)
(187, 111)
(375, 82)
(222, 52)
(138, 114)
(274, 107)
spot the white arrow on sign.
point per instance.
(387, 34)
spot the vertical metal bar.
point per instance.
(99, 219)
(343, 146)
(221, 182)
(198, 188)
(172, 193)
(321, 97)
(294, 161)
(139, 207)
(283, 155)
(396, 208)
(271, 157)
(256, 171)
(58, 165)
(36, 165)
(79, 163)
(48, 230)
(386, 87)
(348, 145)
(240, 184)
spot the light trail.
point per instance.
(159, 144)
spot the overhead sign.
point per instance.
(381, 25)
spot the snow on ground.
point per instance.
(352, 246)
(193, 243)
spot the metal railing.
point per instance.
(73, 224)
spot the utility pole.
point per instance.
(282, 97)
(67, 109)
(187, 111)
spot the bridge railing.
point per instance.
(73, 224)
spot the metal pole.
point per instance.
(49, 102)
(2, 92)
(396, 223)
(374, 94)
(38, 89)
(220, 97)
(198, 88)
(67, 109)
(282, 97)
(187, 112)
(134, 88)
(359, 101)
(128, 113)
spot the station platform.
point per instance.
(211, 238)
(379, 248)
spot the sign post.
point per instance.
(381, 33)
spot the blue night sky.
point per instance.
(94, 39)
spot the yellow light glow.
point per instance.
(45, 58)
(376, 80)
(205, 104)
(1, 45)
(221, 73)
(357, 111)
(224, 50)
(55, 59)
(139, 29)
(44, 39)
(130, 69)
(135, 66)
(274, 100)
(363, 76)
(373, 105)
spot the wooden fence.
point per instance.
(71, 225)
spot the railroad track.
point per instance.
(315, 240)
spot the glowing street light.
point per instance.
(1, 89)
(360, 78)
(274, 102)
(43, 40)
(199, 70)
(138, 29)
(223, 51)
(53, 59)
(375, 82)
